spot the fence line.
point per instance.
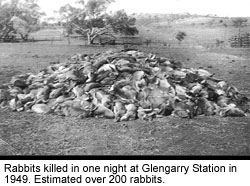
(204, 44)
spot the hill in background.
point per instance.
(200, 30)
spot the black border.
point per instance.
(142, 157)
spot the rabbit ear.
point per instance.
(177, 98)
(203, 82)
(87, 99)
(157, 82)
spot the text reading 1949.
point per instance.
(110, 173)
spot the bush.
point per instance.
(180, 36)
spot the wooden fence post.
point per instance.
(68, 40)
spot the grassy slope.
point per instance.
(201, 31)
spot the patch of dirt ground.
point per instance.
(34, 134)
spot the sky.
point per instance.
(230, 8)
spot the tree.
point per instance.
(121, 23)
(96, 8)
(67, 14)
(90, 27)
(86, 20)
(19, 17)
(93, 21)
(180, 36)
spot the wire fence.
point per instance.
(59, 38)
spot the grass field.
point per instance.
(34, 134)
(200, 31)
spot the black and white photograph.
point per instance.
(125, 77)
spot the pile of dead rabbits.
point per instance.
(123, 85)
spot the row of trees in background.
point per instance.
(89, 19)
(146, 18)
(92, 20)
(19, 17)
